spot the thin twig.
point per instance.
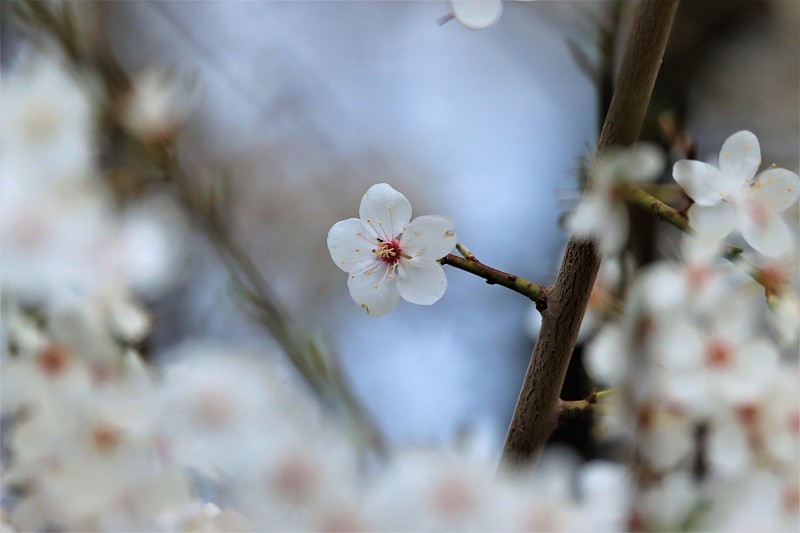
(644, 200)
(641, 199)
(578, 408)
(468, 263)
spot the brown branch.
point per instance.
(536, 413)
(470, 264)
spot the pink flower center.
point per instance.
(390, 252)
(698, 275)
(718, 354)
(296, 477)
(54, 360)
(106, 438)
(748, 414)
(794, 422)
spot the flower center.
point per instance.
(718, 354)
(390, 252)
(106, 438)
(54, 360)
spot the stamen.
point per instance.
(389, 252)
(371, 225)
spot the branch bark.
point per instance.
(529, 289)
(536, 413)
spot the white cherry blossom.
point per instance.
(718, 360)
(602, 214)
(387, 256)
(733, 197)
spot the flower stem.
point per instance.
(648, 202)
(577, 408)
(463, 250)
(470, 264)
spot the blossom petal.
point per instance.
(728, 449)
(614, 232)
(679, 346)
(662, 287)
(732, 314)
(607, 356)
(740, 156)
(429, 236)
(765, 231)
(702, 182)
(640, 163)
(422, 282)
(713, 222)
(587, 215)
(373, 290)
(666, 444)
(349, 245)
(477, 14)
(776, 189)
(755, 368)
(385, 210)
(598, 217)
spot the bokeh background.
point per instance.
(307, 104)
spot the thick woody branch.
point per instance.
(538, 406)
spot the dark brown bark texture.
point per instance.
(536, 413)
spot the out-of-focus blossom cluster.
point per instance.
(705, 366)
(220, 440)
(215, 440)
(60, 227)
(709, 406)
(102, 444)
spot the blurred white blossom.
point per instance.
(157, 105)
(477, 14)
(48, 120)
(602, 213)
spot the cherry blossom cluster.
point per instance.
(86, 446)
(215, 440)
(706, 366)
(96, 441)
(709, 407)
(59, 224)
(220, 439)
